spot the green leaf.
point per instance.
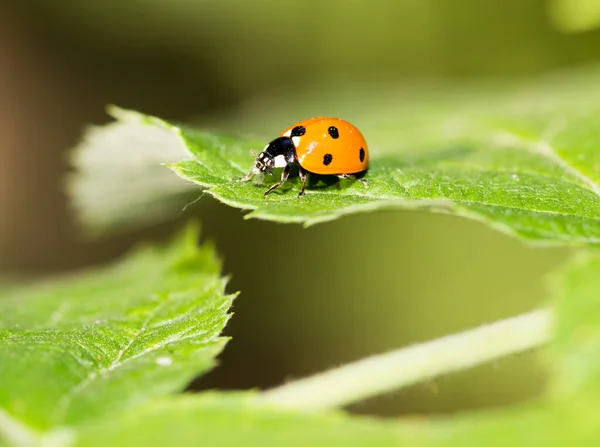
(577, 335)
(120, 182)
(534, 173)
(221, 420)
(521, 157)
(568, 416)
(43, 346)
(233, 420)
(84, 346)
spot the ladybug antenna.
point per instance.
(254, 153)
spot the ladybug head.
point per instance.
(264, 162)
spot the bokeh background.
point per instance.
(337, 291)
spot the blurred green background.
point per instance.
(334, 292)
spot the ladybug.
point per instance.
(323, 145)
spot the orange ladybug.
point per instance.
(323, 145)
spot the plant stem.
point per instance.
(16, 433)
(390, 371)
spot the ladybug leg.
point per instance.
(303, 176)
(354, 177)
(284, 176)
(245, 179)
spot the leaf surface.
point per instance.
(80, 347)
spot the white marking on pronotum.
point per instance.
(296, 141)
(280, 161)
(288, 133)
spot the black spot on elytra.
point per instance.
(298, 131)
(327, 158)
(361, 155)
(333, 132)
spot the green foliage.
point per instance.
(111, 191)
(233, 420)
(577, 343)
(566, 417)
(94, 360)
(85, 346)
(531, 193)
(522, 159)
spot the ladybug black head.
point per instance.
(264, 162)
